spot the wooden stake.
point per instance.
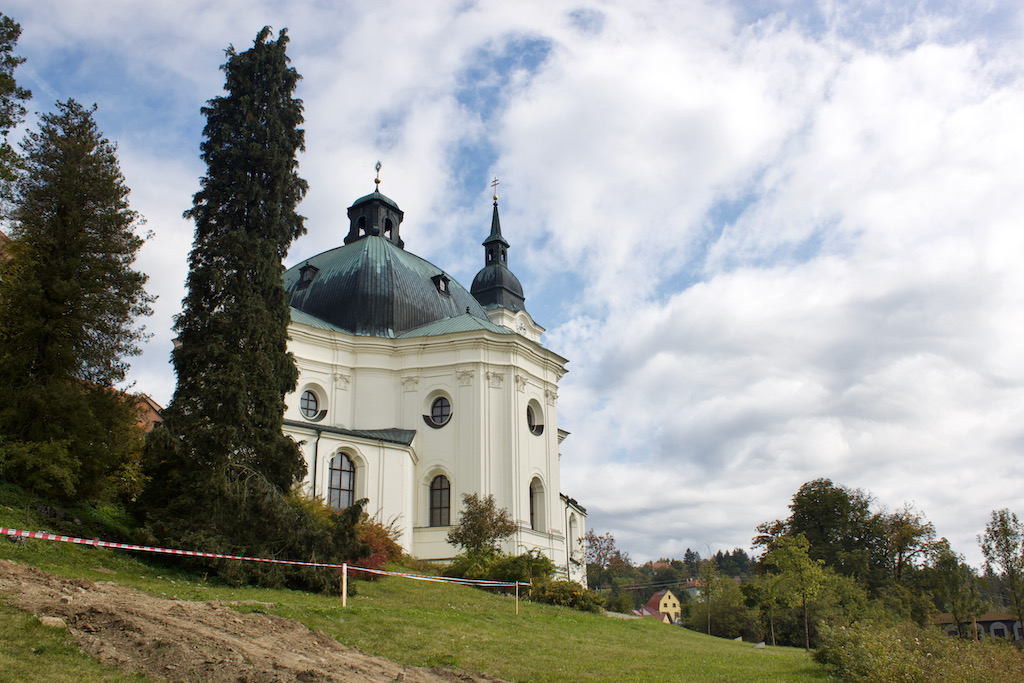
(344, 585)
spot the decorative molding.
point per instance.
(341, 380)
(495, 379)
(410, 382)
(551, 396)
(520, 382)
(465, 377)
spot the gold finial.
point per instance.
(494, 184)
(377, 180)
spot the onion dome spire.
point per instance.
(495, 284)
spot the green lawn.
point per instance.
(414, 623)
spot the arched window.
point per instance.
(536, 504)
(440, 501)
(341, 485)
(574, 532)
(535, 418)
(387, 227)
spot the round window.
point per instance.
(309, 405)
(440, 411)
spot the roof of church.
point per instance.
(462, 323)
(391, 435)
(375, 288)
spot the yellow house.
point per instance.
(666, 603)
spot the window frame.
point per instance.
(439, 418)
(337, 492)
(440, 508)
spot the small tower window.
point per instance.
(534, 418)
(387, 227)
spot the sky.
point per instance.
(777, 240)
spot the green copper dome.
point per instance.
(375, 288)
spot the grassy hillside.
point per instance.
(415, 623)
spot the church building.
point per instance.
(414, 391)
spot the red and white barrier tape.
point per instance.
(44, 536)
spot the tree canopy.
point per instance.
(69, 308)
(12, 97)
(482, 525)
(231, 359)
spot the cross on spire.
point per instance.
(377, 179)
(494, 184)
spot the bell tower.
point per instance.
(375, 214)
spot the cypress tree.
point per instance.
(69, 301)
(222, 470)
(231, 358)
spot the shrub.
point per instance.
(382, 541)
(868, 653)
(566, 594)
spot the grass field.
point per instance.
(410, 622)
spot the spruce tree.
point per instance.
(69, 302)
(231, 358)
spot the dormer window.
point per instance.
(306, 275)
(443, 283)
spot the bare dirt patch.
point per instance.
(177, 640)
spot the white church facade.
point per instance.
(414, 391)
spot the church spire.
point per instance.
(495, 246)
(496, 285)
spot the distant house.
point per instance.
(989, 624)
(647, 612)
(664, 603)
(691, 587)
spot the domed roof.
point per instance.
(375, 288)
(497, 285)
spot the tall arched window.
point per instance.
(341, 485)
(536, 505)
(440, 501)
(574, 532)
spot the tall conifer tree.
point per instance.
(222, 470)
(231, 359)
(69, 301)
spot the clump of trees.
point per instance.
(839, 558)
(481, 528)
(70, 301)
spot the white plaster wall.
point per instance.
(486, 448)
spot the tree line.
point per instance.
(837, 559)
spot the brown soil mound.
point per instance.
(175, 640)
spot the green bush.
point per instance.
(868, 653)
(566, 594)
